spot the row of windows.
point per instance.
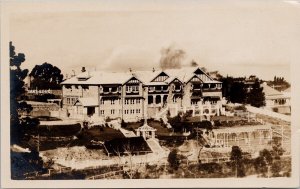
(127, 101)
(137, 111)
(132, 111)
(158, 88)
(71, 100)
(132, 101)
(134, 88)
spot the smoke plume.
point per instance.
(171, 57)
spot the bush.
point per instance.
(173, 160)
(210, 168)
(241, 108)
(108, 119)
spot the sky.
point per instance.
(238, 38)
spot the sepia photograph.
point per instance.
(150, 93)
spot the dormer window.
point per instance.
(68, 86)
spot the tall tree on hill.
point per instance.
(256, 96)
(236, 157)
(18, 126)
(46, 76)
(237, 92)
(17, 89)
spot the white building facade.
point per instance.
(133, 95)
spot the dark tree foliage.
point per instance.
(236, 157)
(234, 89)
(226, 85)
(23, 163)
(279, 83)
(17, 89)
(209, 168)
(237, 93)
(256, 97)
(46, 76)
(263, 162)
(277, 150)
(174, 160)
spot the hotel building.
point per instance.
(134, 95)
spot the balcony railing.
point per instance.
(211, 90)
(177, 91)
(131, 92)
(158, 90)
(111, 92)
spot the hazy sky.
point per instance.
(235, 37)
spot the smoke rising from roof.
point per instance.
(172, 57)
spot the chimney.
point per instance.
(153, 70)
(130, 70)
(83, 69)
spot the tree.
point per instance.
(237, 160)
(277, 151)
(263, 162)
(46, 76)
(23, 163)
(237, 93)
(173, 160)
(256, 97)
(17, 89)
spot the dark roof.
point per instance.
(121, 145)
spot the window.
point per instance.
(112, 111)
(131, 111)
(138, 101)
(85, 87)
(102, 101)
(132, 101)
(68, 101)
(126, 101)
(138, 111)
(151, 89)
(102, 112)
(73, 100)
(134, 88)
(112, 101)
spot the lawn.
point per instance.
(102, 133)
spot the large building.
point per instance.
(134, 95)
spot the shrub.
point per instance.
(173, 160)
(123, 124)
(210, 167)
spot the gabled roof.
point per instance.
(133, 77)
(162, 72)
(86, 102)
(146, 77)
(269, 91)
(146, 127)
(100, 77)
